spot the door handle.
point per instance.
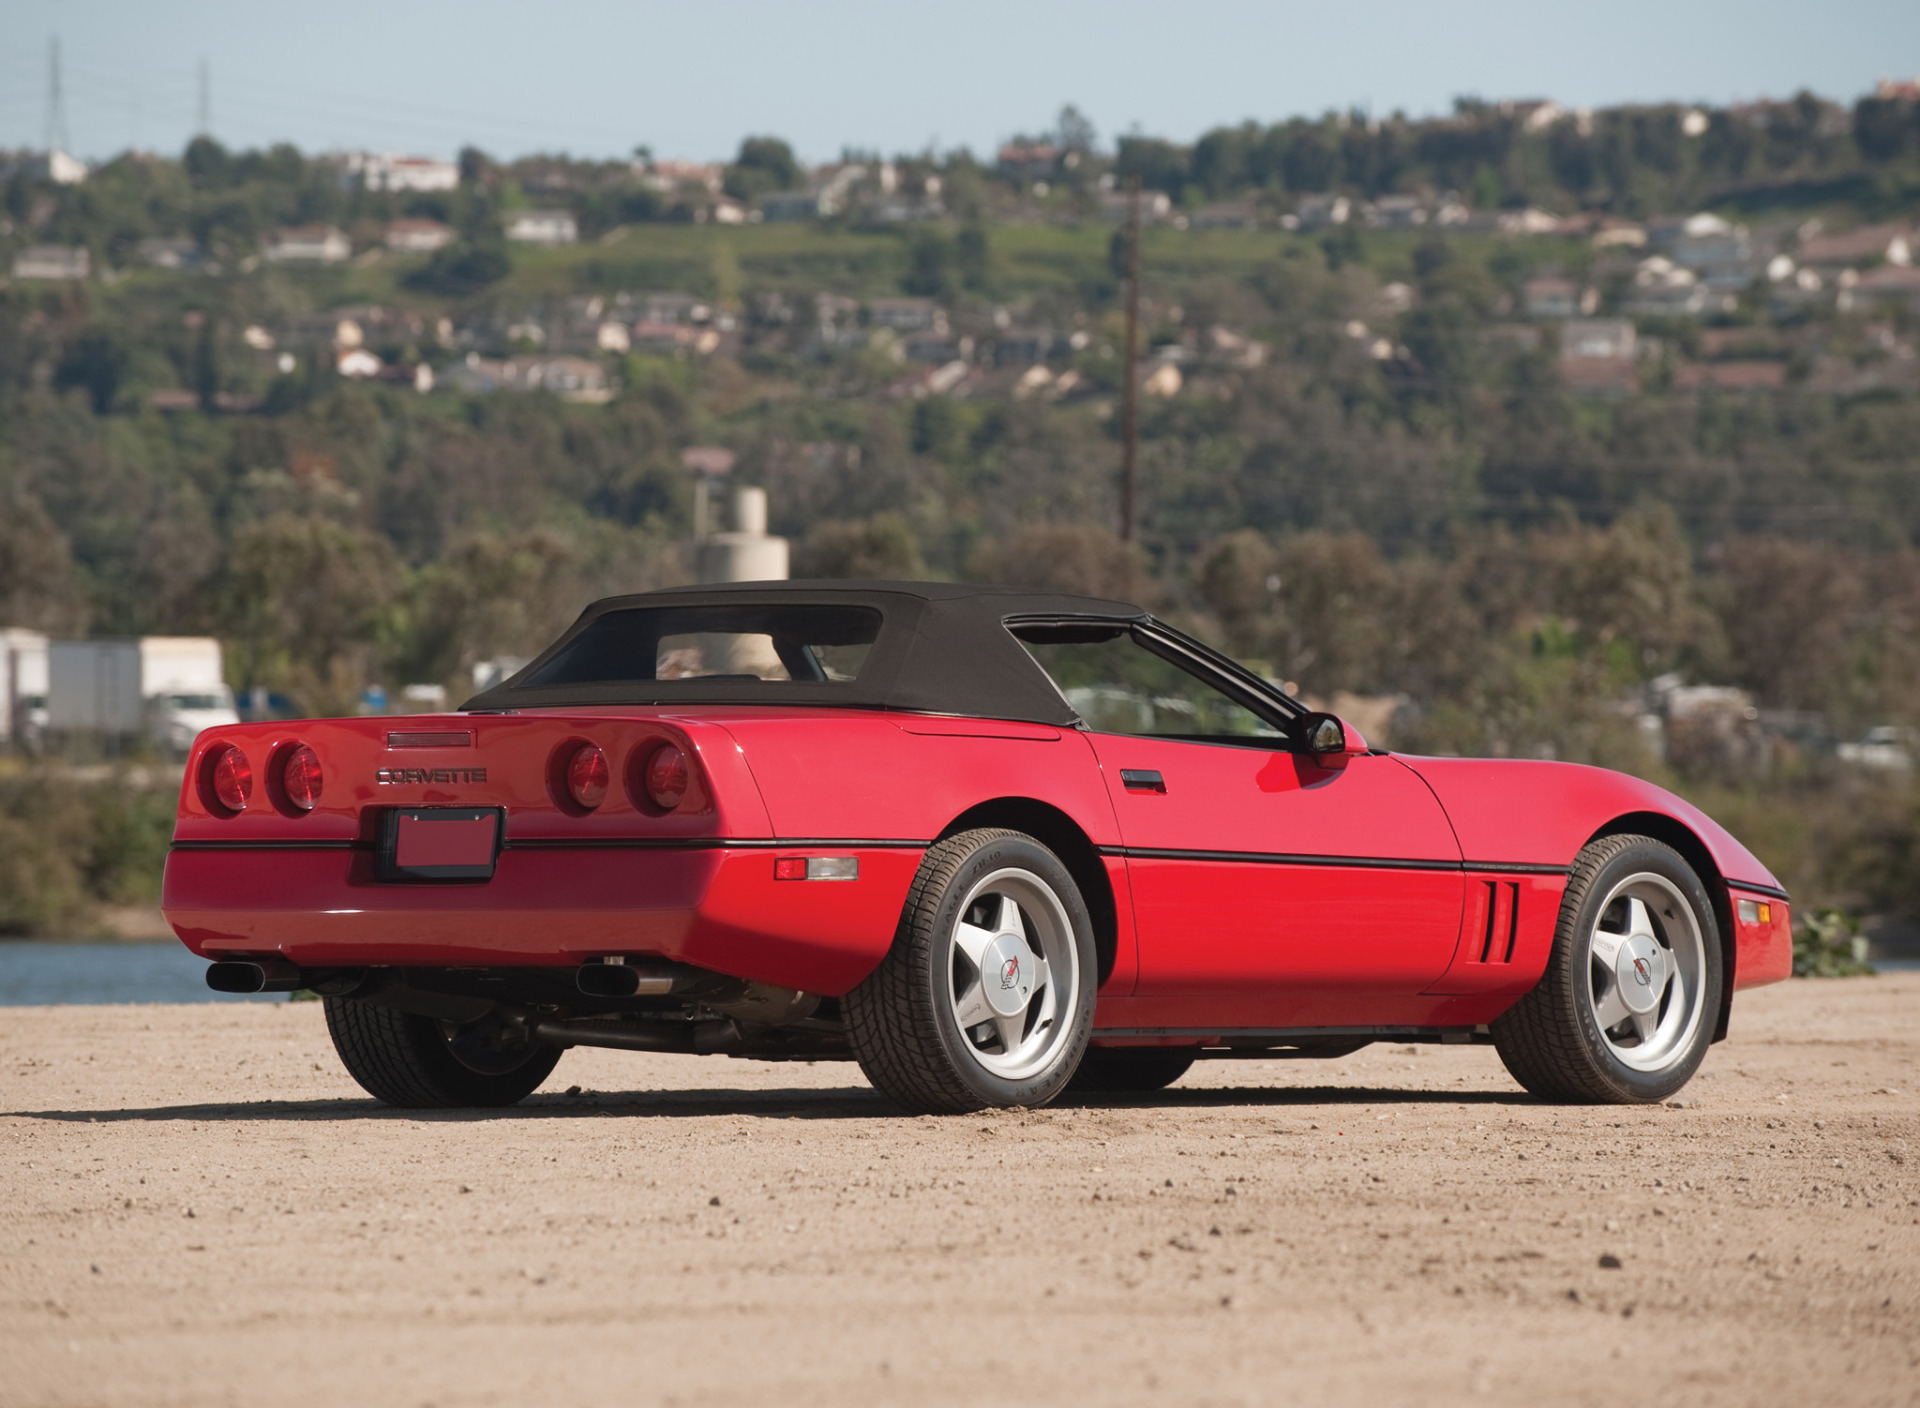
(1142, 780)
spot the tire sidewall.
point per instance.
(1002, 853)
(1637, 1085)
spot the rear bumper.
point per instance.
(715, 906)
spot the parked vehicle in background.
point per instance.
(23, 688)
(116, 693)
(1888, 748)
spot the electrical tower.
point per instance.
(58, 139)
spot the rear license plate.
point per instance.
(440, 843)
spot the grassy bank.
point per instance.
(79, 845)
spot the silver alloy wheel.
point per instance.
(1646, 972)
(1013, 973)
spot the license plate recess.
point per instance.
(440, 843)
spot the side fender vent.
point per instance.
(1503, 921)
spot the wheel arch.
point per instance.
(1062, 835)
(1693, 849)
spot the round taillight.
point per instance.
(300, 779)
(666, 777)
(588, 776)
(232, 779)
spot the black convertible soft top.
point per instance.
(941, 648)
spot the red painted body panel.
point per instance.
(1265, 939)
(521, 756)
(1262, 928)
(717, 909)
(1513, 811)
(1765, 951)
(846, 773)
(1505, 936)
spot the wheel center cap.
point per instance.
(1641, 973)
(1006, 974)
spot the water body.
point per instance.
(39, 974)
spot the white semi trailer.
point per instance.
(164, 688)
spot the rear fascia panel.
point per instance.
(720, 909)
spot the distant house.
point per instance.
(1666, 231)
(788, 207)
(671, 177)
(1732, 376)
(1225, 215)
(1029, 161)
(546, 227)
(907, 315)
(1023, 346)
(418, 236)
(674, 339)
(1597, 339)
(674, 308)
(170, 254)
(1530, 221)
(1118, 205)
(358, 363)
(1611, 232)
(1550, 296)
(939, 348)
(569, 378)
(393, 172)
(1599, 376)
(308, 244)
(53, 261)
(1222, 347)
(58, 167)
(1533, 114)
(1662, 289)
(1889, 244)
(725, 210)
(1890, 285)
(1397, 212)
(1317, 212)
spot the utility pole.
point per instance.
(1130, 390)
(58, 139)
(206, 102)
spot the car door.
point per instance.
(1270, 889)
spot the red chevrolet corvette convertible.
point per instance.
(993, 844)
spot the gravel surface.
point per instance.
(197, 1206)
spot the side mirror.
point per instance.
(1329, 739)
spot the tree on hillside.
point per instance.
(764, 164)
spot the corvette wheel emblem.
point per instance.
(1009, 972)
(1643, 971)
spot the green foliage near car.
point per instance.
(1829, 944)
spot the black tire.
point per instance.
(901, 1022)
(1552, 1041)
(410, 1061)
(1131, 1070)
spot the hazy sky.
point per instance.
(691, 79)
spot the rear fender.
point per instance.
(1092, 872)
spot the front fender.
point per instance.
(1517, 812)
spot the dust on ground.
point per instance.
(197, 1206)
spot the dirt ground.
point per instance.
(197, 1206)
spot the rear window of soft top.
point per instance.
(735, 644)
